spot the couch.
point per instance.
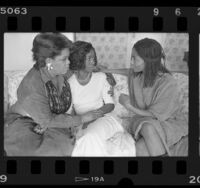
(12, 80)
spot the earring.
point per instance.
(49, 67)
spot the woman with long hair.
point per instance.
(157, 122)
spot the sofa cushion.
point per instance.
(14, 79)
(120, 87)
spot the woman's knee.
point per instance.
(147, 130)
(141, 149)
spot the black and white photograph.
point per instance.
(96, 94)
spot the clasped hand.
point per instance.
(124, 99)
(38, 129)
(92, 115)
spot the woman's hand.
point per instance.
(98, 113)
(38, 129)
(90, 116)
(124, 99)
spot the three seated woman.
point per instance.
(62, 112)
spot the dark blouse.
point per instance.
(33, 101)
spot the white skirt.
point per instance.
(104, 137)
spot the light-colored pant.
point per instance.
(96, 139)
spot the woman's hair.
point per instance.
(78, 55)
(151, 52)
(48, 45)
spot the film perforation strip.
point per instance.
(132, 167)
(85, 24)
(84, 167)
(133, 24)
(36, 23)
(182, 24)
(157, 167)
(11, 167)
(60, 167)
(60, 23)
(12, 23)
(157, 23)
(35, 166)
(109, 24)
(181, 167)
(108, 167)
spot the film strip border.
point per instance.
(174, 171)
(64, 171)
(115, 19)
(109, 24)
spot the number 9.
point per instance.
(3, 178)
(156, 11)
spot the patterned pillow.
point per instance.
(14, 79)
(183, 84)
(120, 87)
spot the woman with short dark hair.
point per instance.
(103, 136)
(37, 124)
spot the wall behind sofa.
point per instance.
(114, 49)
(17, 50)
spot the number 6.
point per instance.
(17, 11)
(178, 11)
(198, 11)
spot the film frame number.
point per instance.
(10, 10)
(155, 11)
(97, 179)
(198, 11)
(3, 178)
(177, 11)
(194, 179)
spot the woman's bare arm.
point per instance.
(125, 101)
(138, 111)
(106, 108)
(100, 112)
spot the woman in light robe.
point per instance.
(157, 122)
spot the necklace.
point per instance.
(84, 81)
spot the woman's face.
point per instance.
(60, 63)
(137, 63)
(90, 61)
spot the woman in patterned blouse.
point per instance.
(37, 124)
